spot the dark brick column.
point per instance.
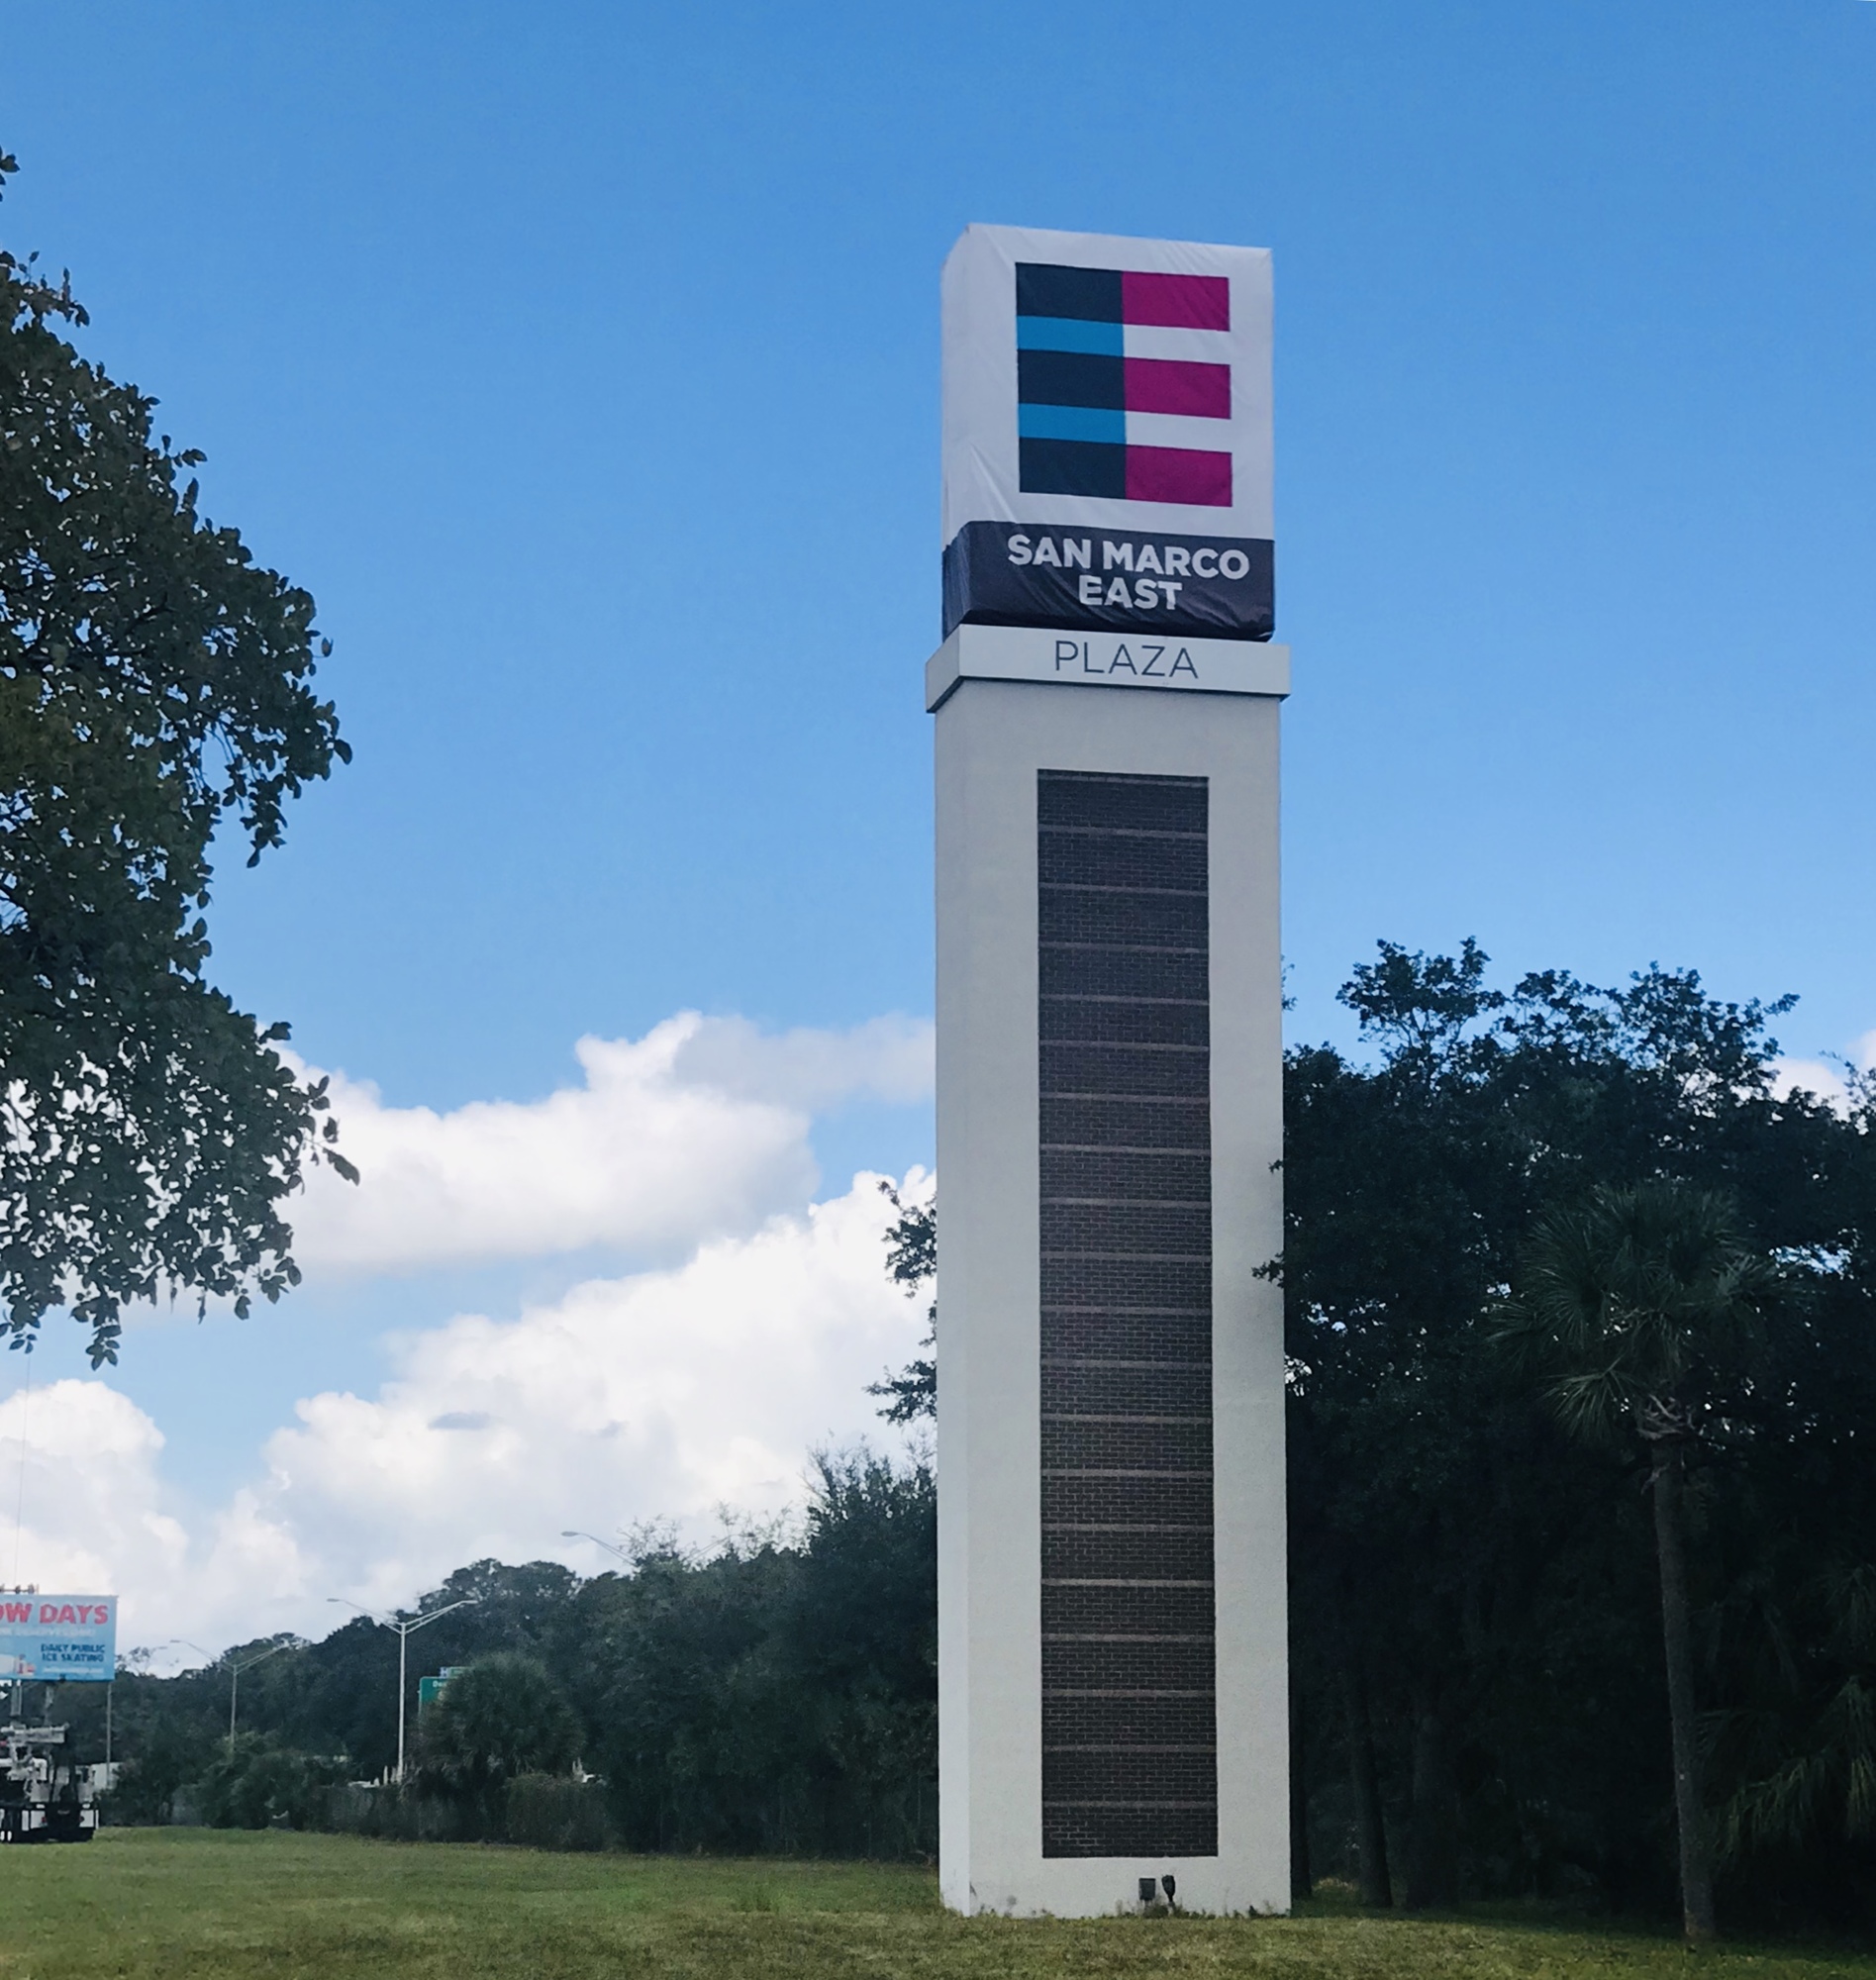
(1130, 1761)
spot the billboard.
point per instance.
(1106, 435)
(49, 1638)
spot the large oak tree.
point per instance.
(155, 689)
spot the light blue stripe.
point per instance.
(1061, 333)
(1072, 423)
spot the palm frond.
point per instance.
(1627, 1299)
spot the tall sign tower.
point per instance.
(1112, 1671)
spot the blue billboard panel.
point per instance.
(57, 1637)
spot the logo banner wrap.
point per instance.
(58, 1637)
(1107, 433)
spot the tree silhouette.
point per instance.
(1639, 1309)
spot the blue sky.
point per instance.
(582, 361)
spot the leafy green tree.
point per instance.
(154, 689)
(1789, 1643)
(701, 1739)
(911, 1263)
(1472, 1589)
(501, 1717)
(258, 1783)
(513, 1608)
(861, 1641)
(1810, 1771)
(160, 1757)
(773, 1696)
(1639, 1308)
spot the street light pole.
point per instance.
(404, 1631)
(234, 1685)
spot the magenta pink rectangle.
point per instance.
(1179, 474)
(1170, 385)
(1178, 302)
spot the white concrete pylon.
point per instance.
(1112, 1660)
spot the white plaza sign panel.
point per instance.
(58, 1637)
(1106, 435)
(1106, 659)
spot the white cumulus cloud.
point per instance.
(80, 1484)
(658, 1394)
(662, 1394)
(1821, 1077)
(696, 1130)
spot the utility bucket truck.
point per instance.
(43, 1796)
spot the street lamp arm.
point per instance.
(249, 1663)
(577, 1534)
(404, 1628)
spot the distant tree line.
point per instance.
(776, 1693)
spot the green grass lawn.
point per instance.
(152, 1903)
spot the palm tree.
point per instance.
(1630, 1306)
(497, 1718)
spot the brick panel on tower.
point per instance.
(1130, 1740)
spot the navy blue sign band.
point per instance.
(1107, 580)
